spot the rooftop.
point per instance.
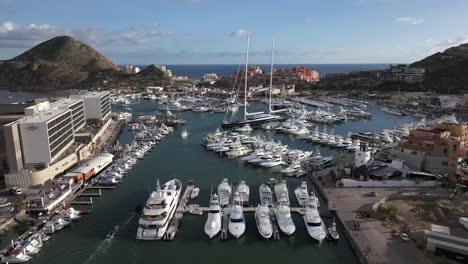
(43, 116)
(94, 94)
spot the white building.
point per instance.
(362, 156)
(130, 69)
(97, 105)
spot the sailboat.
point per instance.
(257, 118)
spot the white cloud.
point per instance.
(13, 35)
(239, 33)
(409, 20)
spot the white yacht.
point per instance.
(302, 194)
(273, 162)
(244, 192)
(284, 219)
(184, 133)
(159, 210)
(281, 192)
(333, 232)
(224, 192)
(238, 151)
(244, 128)
(313, 221)
(195, 192)
(266, 196)
(213, 223)
(294, 168)
(236, 224)
(262, 217)
(16, 256)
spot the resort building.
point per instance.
(304, 73)
(97, 105)
(436, 150)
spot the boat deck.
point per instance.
(180, 211)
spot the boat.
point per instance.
(16, 256)
(184, 133)
(213, 222)
(236, 224)
(238, 151)
(333, 232)
(284, 219)
(266, 196)
(244, 128)
(224, 192)
(159, 210)
(293, 169)
(281, 192)
(262, 217)
(302, 194)
(70, 214)
(313, 221)
(244, 191)
(273, 162)
(195, 192)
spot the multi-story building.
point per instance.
(97, 105)
(305, 73)
(436, 150)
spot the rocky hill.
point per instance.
(446, 71)
(64, 62)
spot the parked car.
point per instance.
(405, 237)
(16, 190)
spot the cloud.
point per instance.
(409, 20)
(239, 33)
(14, 35)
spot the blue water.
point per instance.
(197, 71)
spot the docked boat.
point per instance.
(16, 256)
(224, 192)
(70, 214)
(213, 222)
(245, 128)
(262, 218)
(284, 219)
(293, 169)
(244, 192)
(276, 160)
(281, 192)
(302, 194)
(266, 196)
(236, 224)
(313, 221)
(195, 192)
(333, 232)
(159, 210)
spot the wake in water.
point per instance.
(106, 243)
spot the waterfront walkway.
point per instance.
(376, 242)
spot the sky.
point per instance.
(213, 31)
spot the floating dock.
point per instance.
(180, 211)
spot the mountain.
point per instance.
(446, 72)
(63, 63)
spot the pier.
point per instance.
(180, 211)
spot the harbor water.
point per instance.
(85, 241)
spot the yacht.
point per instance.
(213, 223)
(224, 192)
(313, 221)
(195, 192)
(159, 210)
(244, 192)
(238, 151)
(294, 168)
(236, 224)
(333, 232)
(273, 162)
(266, 196)
(284, 219)
(184, 133)
(244, 128)
(302, 194)
(262, 217)
(281, 192)
(16, 256)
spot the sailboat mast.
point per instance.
(246, 75)
(271, 72)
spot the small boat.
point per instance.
(262, 217)
(333, 232)
(195, 192)
(184, 133)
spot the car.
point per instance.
(16, 190)
(405, 237)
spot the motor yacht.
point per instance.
(313, 221)
(236, 224)
(262, 218)
(244, 191)
(302, 194)
(224, 192)
(159, 210)
(245, 128)
(213, 222)
(284, 219)
(281, 192)
(266, 196)
(277, 160)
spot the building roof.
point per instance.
(94, 94)
(43, 116)
(89, 164)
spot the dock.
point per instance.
(224, 225)
(274, 224)
(180, 211)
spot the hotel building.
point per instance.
(97, 105)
